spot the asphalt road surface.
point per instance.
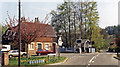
(91, 59)
(103, 59)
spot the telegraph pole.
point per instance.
(19, 35)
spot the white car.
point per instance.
(16, 53)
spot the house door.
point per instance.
(39, 46)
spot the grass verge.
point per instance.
(25, 61)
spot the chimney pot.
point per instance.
(36, 20)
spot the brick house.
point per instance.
(44, 38)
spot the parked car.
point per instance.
(16, 53)
(40, 52)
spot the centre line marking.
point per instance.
(91, 59)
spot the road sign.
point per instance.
(60, 41)
(79, 41)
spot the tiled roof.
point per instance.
(42, 29)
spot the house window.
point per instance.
(11, 32)
(39, 45)
(7, 32)
(14, 35)
(46, 46)
(31, 46)
(8, 38)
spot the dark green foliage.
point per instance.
(113, 30)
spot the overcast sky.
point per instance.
(108, 9)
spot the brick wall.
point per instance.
(33, 51)
(5, 58)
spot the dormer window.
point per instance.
(14, 34)
(8, 38)
(10, 32)
(7, 32)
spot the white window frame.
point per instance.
(14, 35)
(31, 47)
(10, 32)
(41, 43)
(7, 32)
(48, 46)
(8, 38)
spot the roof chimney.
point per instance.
(36, 20)
(23, 19)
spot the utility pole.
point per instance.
(19, 34)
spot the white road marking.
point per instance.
(88, 64)
(91, 59)
(94, 57)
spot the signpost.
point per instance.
(59, 44)
(60, 41)
(86, 44)
(79, 41)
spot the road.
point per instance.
(91, 59)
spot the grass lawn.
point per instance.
(25, 61)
